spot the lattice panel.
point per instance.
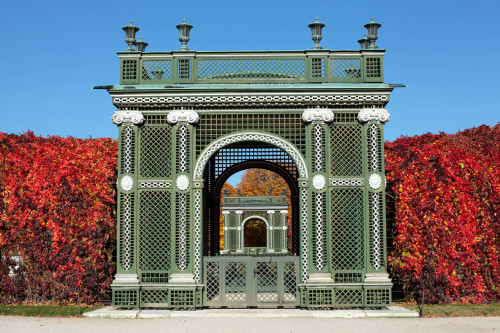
(129, 70)
(290, 272)
(317, 67)
(235, 281)
(267, 282)
(345, 68)
(320, 297)
(350, 297)
(319, 239)
(227, 69)
(347, 229)
(153, 119)
(127, 150)
(184, 68)
(185, 299)
(287, 126)
(182, 230)
(373, 67)
(154, 297)
(346, 150)
(376, 229)
(155, 153)
(154, 230)
(156, 70)
(348, 277)
(183, 161)
(345, 117)
(212, 282)
(378, 297)
(125, 298)
(154, 277)
(374, 145)
(127, 238)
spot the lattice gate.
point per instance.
(242, 281)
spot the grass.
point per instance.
(43, 310)
(457, 310)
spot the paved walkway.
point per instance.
(246, 325)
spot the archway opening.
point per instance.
(255, 233)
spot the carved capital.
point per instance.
(239, 212)
(121, 117)
(324, 115)
(189, 116)
(271, 211)
(225, 212)
(381, 115)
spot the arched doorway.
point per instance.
(255, 233)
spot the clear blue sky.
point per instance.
(53, 52)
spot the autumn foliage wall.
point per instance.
(446, 195)
(57, 212)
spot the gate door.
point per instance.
(241, 281)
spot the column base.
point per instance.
(322, 278)
(181, 279)
(377, 279)
(126, 280)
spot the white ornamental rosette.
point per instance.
(319, 182)
(127, 183)
(182, 182)
(375, 181)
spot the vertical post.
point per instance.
(226, 231)
(239, 231)
(270, 232)
(284, 231)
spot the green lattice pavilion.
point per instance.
(188, 120)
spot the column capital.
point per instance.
(283, 211)
(271, 211)
(189, 116)
(225, 212)
(239, 212)
(380, 115)
(324, 115)
(125, 116)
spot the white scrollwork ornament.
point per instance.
(381, 115)
(127, 183)
(121, 117)
(319, 182)
(182, 182)
(189, 116)
(324, 115)
(375, 181)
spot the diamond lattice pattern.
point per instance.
(157, 70)
(236, 283)
(251, 68)
(347, 229)
(154, 230)
(349, 68)
(349, 296)
(267, 281)
(346, 150)
(155, 160)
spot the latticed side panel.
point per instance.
(290, 271)
(349, 297)
(183, 163)
(156, 70)
(348, 277)
(373, 67)
(267, 282)
(317, 67)
(345, 68)
(127, 239)
(154, 277)
(376, 229)
(227, 69)
(182, 234)
(346, 117)
(346, 150)
(378, 297)
(154, 230)
(182, 298)
(155, 153)
(129, 70)
(123, 298)
(320, 297)
(184, 68)
(154, 119)
(287, 126)
(319, 240)
(154, 298)
(235, 281)
(374, 144)
(127, 150)
(213, 287)
(347, 229)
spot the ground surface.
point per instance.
(221, 325)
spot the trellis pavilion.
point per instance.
(188, 120)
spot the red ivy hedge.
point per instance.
(57, 211)
(447, 213)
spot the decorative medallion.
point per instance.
(127, 183)
(134, 117)
(319, 182)
(381, 115)
(182, 182)
(324, 115)
(375, 181)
